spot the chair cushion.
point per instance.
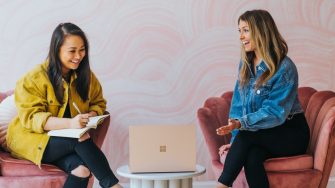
(48, 181)
(18, 167)
(299, 162)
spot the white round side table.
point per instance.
(160, 180)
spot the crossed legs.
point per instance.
(79, 159)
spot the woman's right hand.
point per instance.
(226, 129)
(224, 148)
(79, 121)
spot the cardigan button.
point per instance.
(258, 92)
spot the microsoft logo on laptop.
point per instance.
(162, 148)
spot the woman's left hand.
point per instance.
(86, 135)
(92, 113)
(224, 148)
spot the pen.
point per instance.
(76, 107)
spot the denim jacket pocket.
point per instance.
(260, 94)
(263, 91)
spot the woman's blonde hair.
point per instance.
(269, 44)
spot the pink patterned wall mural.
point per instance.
(159, 60)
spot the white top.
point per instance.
(124, 171)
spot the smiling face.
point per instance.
(245, 36)
(71, 53)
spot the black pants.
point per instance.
(250, 149)
(68, 154)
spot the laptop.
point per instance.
(162, 148)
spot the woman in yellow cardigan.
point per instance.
(44, 98)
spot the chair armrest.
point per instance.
(98, 135)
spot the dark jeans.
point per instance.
(250, 149)
(68, 154)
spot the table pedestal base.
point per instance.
(175, 183)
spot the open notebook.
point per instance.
(77, 133)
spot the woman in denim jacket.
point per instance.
(265, 119)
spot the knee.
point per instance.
(81, 171)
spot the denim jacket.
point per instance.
(269, 105)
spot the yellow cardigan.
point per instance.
(36, 102)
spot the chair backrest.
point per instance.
(227, 96)
(320, 115)
(304, 95)
(213, 115)
(3, 95)
(315, 113)
(314, 105)
(324, 153)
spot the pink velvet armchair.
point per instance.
(17, 173)
(310, 170)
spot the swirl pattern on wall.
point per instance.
(158, 60)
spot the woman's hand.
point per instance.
(79, 121)
(92, 113)
(224, 148)
(84, 137)
(226, 129)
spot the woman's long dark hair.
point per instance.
(55, 66)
